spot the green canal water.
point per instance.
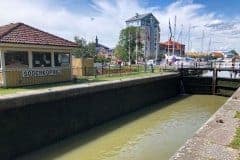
(153, 133)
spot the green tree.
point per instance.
(101, 59)
(84, 49)
(127, 40)
(121, 53)
(91, 49)
(234, 52)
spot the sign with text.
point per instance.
(40, 72)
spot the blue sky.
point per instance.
(227, 8)
(219, 19)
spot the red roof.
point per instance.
(170, 43)
(21, 33)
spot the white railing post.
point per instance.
(3, 67)
(30, 59)
(52, 59)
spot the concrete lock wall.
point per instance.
(30, 122)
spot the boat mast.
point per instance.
(174, 34)
(180, 35)
(189, 32)
(209, 45)
(202, 41)
(170, 35)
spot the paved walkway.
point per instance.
(82, 85)
(211, 141)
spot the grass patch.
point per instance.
(236, 140)
(4, 91)
(237, 115)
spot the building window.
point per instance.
(16, 59)
(41, 59)
(61, 59)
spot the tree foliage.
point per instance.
(121, 53)
(127, 41)
(101, 59)
(234, 52)
(84, 49)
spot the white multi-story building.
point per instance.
(151, 33)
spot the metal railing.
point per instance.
(112, 70)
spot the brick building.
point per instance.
(167, 48)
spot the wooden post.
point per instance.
(214, 81)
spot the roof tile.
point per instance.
(23, 34)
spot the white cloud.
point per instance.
(110, 18)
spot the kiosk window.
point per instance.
(61, 59)
(41, 59)
(16, 59)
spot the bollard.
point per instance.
(152, 70)
(120, 70)
(95, 74)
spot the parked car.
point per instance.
(150, 62)
(185, 62)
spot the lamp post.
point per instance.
(129, 47)
(137, 41)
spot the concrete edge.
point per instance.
(56, 93)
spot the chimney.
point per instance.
(137, 14)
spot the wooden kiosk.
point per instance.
(30, 56)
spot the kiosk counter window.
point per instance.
(41, 59)
(61, 59)
(16, 59)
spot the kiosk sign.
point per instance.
(40, 72)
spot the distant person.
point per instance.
(174, 59)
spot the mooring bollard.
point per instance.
(95, 75)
